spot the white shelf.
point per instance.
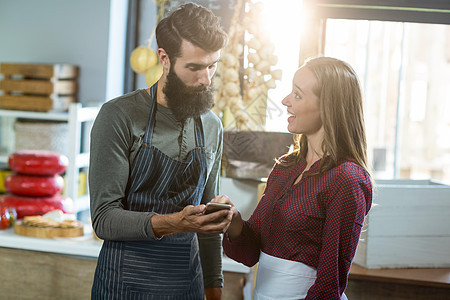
(81, 203)
(3, 158)
(75, 116)
(56, 116)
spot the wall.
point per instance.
(59, 31)
(146, 23)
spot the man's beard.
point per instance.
(186, 101)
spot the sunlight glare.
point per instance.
(282, 20)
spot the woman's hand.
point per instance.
(235, 228)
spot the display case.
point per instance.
(78, 159)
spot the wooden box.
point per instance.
(251, 154)
(38, 87)
(409, 226)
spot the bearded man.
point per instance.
(155, 162)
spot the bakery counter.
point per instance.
(63, 268)
(85, 246)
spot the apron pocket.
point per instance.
(156, 268)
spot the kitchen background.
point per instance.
(403, 67)
(402, 57)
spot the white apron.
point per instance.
(279, 278)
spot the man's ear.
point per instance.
(164, 59)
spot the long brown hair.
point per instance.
(341, 111)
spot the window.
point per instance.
(283, 27)
(404, 70)
(403, 62)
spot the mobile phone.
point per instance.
(213, 207)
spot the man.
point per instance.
(155, 162)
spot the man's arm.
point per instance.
(111, 142)
(211, 245)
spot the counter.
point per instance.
(84, 246)
(63, 268)
(394, 284)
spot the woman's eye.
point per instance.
(297, 96)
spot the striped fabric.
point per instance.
(168, 268)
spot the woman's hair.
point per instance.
(341, 111)
(193, 23)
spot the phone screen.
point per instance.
(213, 207)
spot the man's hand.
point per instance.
(191, 219)
(213, 293)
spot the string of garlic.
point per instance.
(227, 79)
(258, 76)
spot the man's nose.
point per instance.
(205, 77)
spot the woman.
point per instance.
(306, 227)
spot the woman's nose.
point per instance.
(285, 101)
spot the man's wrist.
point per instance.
(164, 224)
(214, 293)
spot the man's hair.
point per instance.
(193, 23)
(341, 111)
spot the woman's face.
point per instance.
(303, 105)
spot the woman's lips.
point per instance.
(291, 118)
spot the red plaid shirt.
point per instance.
(317, 222)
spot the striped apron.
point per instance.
(168, 268)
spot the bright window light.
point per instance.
(284, 30)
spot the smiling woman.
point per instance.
(310, 216)
(303, 104)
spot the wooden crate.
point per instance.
(38, 87)
(408, 228)
(45, 71)
(36, 103)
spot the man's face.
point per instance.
(195, 67)
(188, 88)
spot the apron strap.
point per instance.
(199, 134)
(151, 116)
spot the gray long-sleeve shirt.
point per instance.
(116, 136)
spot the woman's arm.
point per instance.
(344, 219)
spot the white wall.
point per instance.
(147, 22)
(116, 46)
(59, 31)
